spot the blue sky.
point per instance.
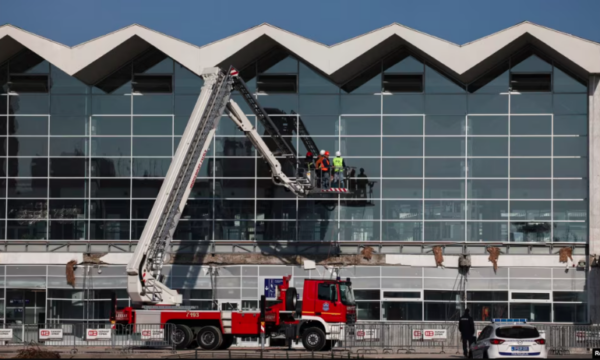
(328, 21)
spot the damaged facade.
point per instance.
(479, 150)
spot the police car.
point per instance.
(509, 338)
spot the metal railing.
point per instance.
(107, 336)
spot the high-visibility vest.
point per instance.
(338, 163)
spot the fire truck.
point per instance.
(327, 306)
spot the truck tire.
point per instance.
(182, 336)
(227, 342)
(313, 339)
(291, 295)
(209, 338)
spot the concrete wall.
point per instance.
(593, 284)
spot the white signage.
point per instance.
(51, 334)
(434, 334)
(6, 334)
(98, 334)
(153, 334)
(417, 335)
(367, 335)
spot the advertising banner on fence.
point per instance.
(98, 334)
(153, 334)
(434, 334)
(367, 335)
(6, 334)
(51, 334)
(417, 335)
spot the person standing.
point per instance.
(466, 327)
(319, 168)
(325, 167)
(338, 169)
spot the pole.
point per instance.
(263, 303)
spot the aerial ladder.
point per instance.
(144, 270)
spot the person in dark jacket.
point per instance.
(466, 326)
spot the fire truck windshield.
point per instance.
(346, 294)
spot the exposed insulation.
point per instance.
(367, 252)
(494, 254)
(438, 254)
(71, 272)
(565, 254)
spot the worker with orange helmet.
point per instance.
(325, 167)
(319, 167)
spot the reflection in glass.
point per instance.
(276, 230)
(109, 209)
(444, 231)
(360, 125)
(402, 167)
(402, 231)
(152, 146)
(26, 230)
(488, 125)
(439, 146)
(570, 189)
(487, 210)
(571, 232)
(530, 146)
(534, 312)
(27, 167)
(571, 146)
(403, 104)
(107, 167)
(110, 188)
(69, 146)
(488, 168)
(530, 189)
(530, 231)
(570, 210)
(105, 146)
(444, 210)
(359, 231)
(402, 209)
(530, 168)
(393, 146)
(109, 230)
(27, 188)
(146, 167)
(67, 230)
(444, 167)
(27, 146)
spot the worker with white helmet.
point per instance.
(319, 167)
(338, 169)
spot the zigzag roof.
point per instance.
(95, 58)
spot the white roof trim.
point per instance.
(328, 59)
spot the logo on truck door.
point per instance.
(325, 306)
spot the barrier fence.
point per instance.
(445, 337)
(100, 335)
(362, 338)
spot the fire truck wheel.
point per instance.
(209, 338)
(182, 336)
(227, 342)
(313, 339)
(290, 299)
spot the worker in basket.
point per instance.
(319, 168)
(309, 164)
(339, 165)
(326, 167)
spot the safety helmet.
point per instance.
(337, 153)
(326, 153)
(322, 152)
(309, 154)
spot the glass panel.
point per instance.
(577, 146)
(68, 167)
(563, 83)
(570, 125)
(488, 125)
(153, 104)
(310, 82)
(530, 125)
(109, 209)
(152, 125)
(531, 103)
(403, 104)
(26, 230)
(28, 125)
(193, 230)
(109, 230)
(404, 311)
(487, 210)
(571, 232)
(111, 104)
(530, 232)
(110, 188)
(368, 310)
(233, 146)
(487, 231)
(482, 168)
(27, 146)
(570, 313)
(67, 230)
(407, 65)
(111, 146)
(438, 83)
(151, 146)
(276, 230)
(68, 188)
(444, 125)
(442, 311)
(27, 167)
(393, 146)
(111, 125)
(29, 104)
(449, 189)
(444, 231)
(530, 189)
(278, 103)
(530, 210)
(488, 189)
(531, 146)
(531, 312)
(402, 168)
(359, 231)
(184, 104)
(150, 167)
(493, 82)
(356, 146)
(570, 210)
(488, 146)
(402, 231)
(488, 104)
(444, 167)
(444, 210)
(532, 64)
(446, 105)
(276, 209)
(402, 189)
(444, 146)
(68, 146)
(320, 125)
(62, 83)
(27, 188)
(76, 125)
(402, 125)
(570, 189)
(106, 167)
(186, 82)
(530, 168)
(360, 125)
(361, 104)
(570, 104)
(319, 104)
(69, 105)
(488, 311)
(402, 209)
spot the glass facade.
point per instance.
(502, 159)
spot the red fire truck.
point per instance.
(327, 308)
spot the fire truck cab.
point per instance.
(328, 307)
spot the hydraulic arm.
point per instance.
(144, 271)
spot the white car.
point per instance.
(509, 338)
